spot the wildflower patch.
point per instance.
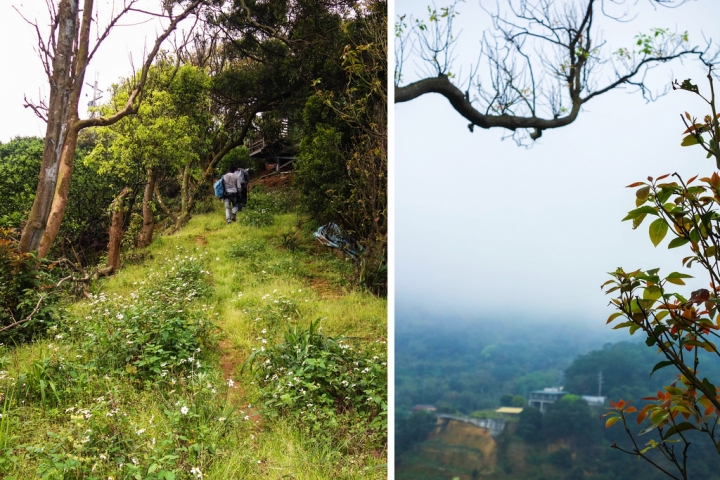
(156, 331)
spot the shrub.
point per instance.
(323, 382)
(156, 331)
(23, 280)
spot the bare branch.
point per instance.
(26, 319)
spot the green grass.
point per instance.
(262, 279)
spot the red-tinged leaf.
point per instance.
(650, 179)
(606, 283)
(631, 409)
(637, 184)
(689, 347)
(687, 115)
(611, 421)
(691, 180)
(663, 176)
(692, 127)
(709, 410)
(715, 180)
(643, 413)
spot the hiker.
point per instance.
(244, 178)
(232, 194)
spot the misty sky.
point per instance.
(485, 228)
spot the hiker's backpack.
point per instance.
(219, 189)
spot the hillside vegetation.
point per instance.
(471, 369)
(148, 377)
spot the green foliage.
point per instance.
(323, 382)
(570, 417)
(19, 166)
(624, 367)
(530, 424)
(25, 290)
(156, 333)
(412, 429)
(321, 170)
(561, 459)
(84, 227)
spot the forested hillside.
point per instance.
(472, 369)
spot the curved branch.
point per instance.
(462, 105)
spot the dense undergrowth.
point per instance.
(144, 379)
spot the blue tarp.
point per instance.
(333, 236)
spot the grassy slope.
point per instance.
(251, 274)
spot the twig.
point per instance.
(26, 319)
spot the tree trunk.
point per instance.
(146, 232)
(62, 189)
(116, 230)
(58, 125)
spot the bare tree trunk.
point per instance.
(57, 128)
(60, 198)
(146, 233)
(116, 230)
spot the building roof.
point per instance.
(510, 410)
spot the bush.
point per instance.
(23, 281)
(156, 331)
(323, 382)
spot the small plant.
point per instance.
(26, 291)
(257, 218)
(289, 241)
(157, 331)
(323, 382)
(248, 249)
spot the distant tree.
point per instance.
(518, 401)
(561, 459)
(530, 424)
(538, 65)
(412, 430)
(624, 367)
(570, 418)
(506, 400)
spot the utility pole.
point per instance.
(600, 382)
(96, 95)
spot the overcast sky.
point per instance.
(485, 228)
(23, 74)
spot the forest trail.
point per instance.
(201, 411)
